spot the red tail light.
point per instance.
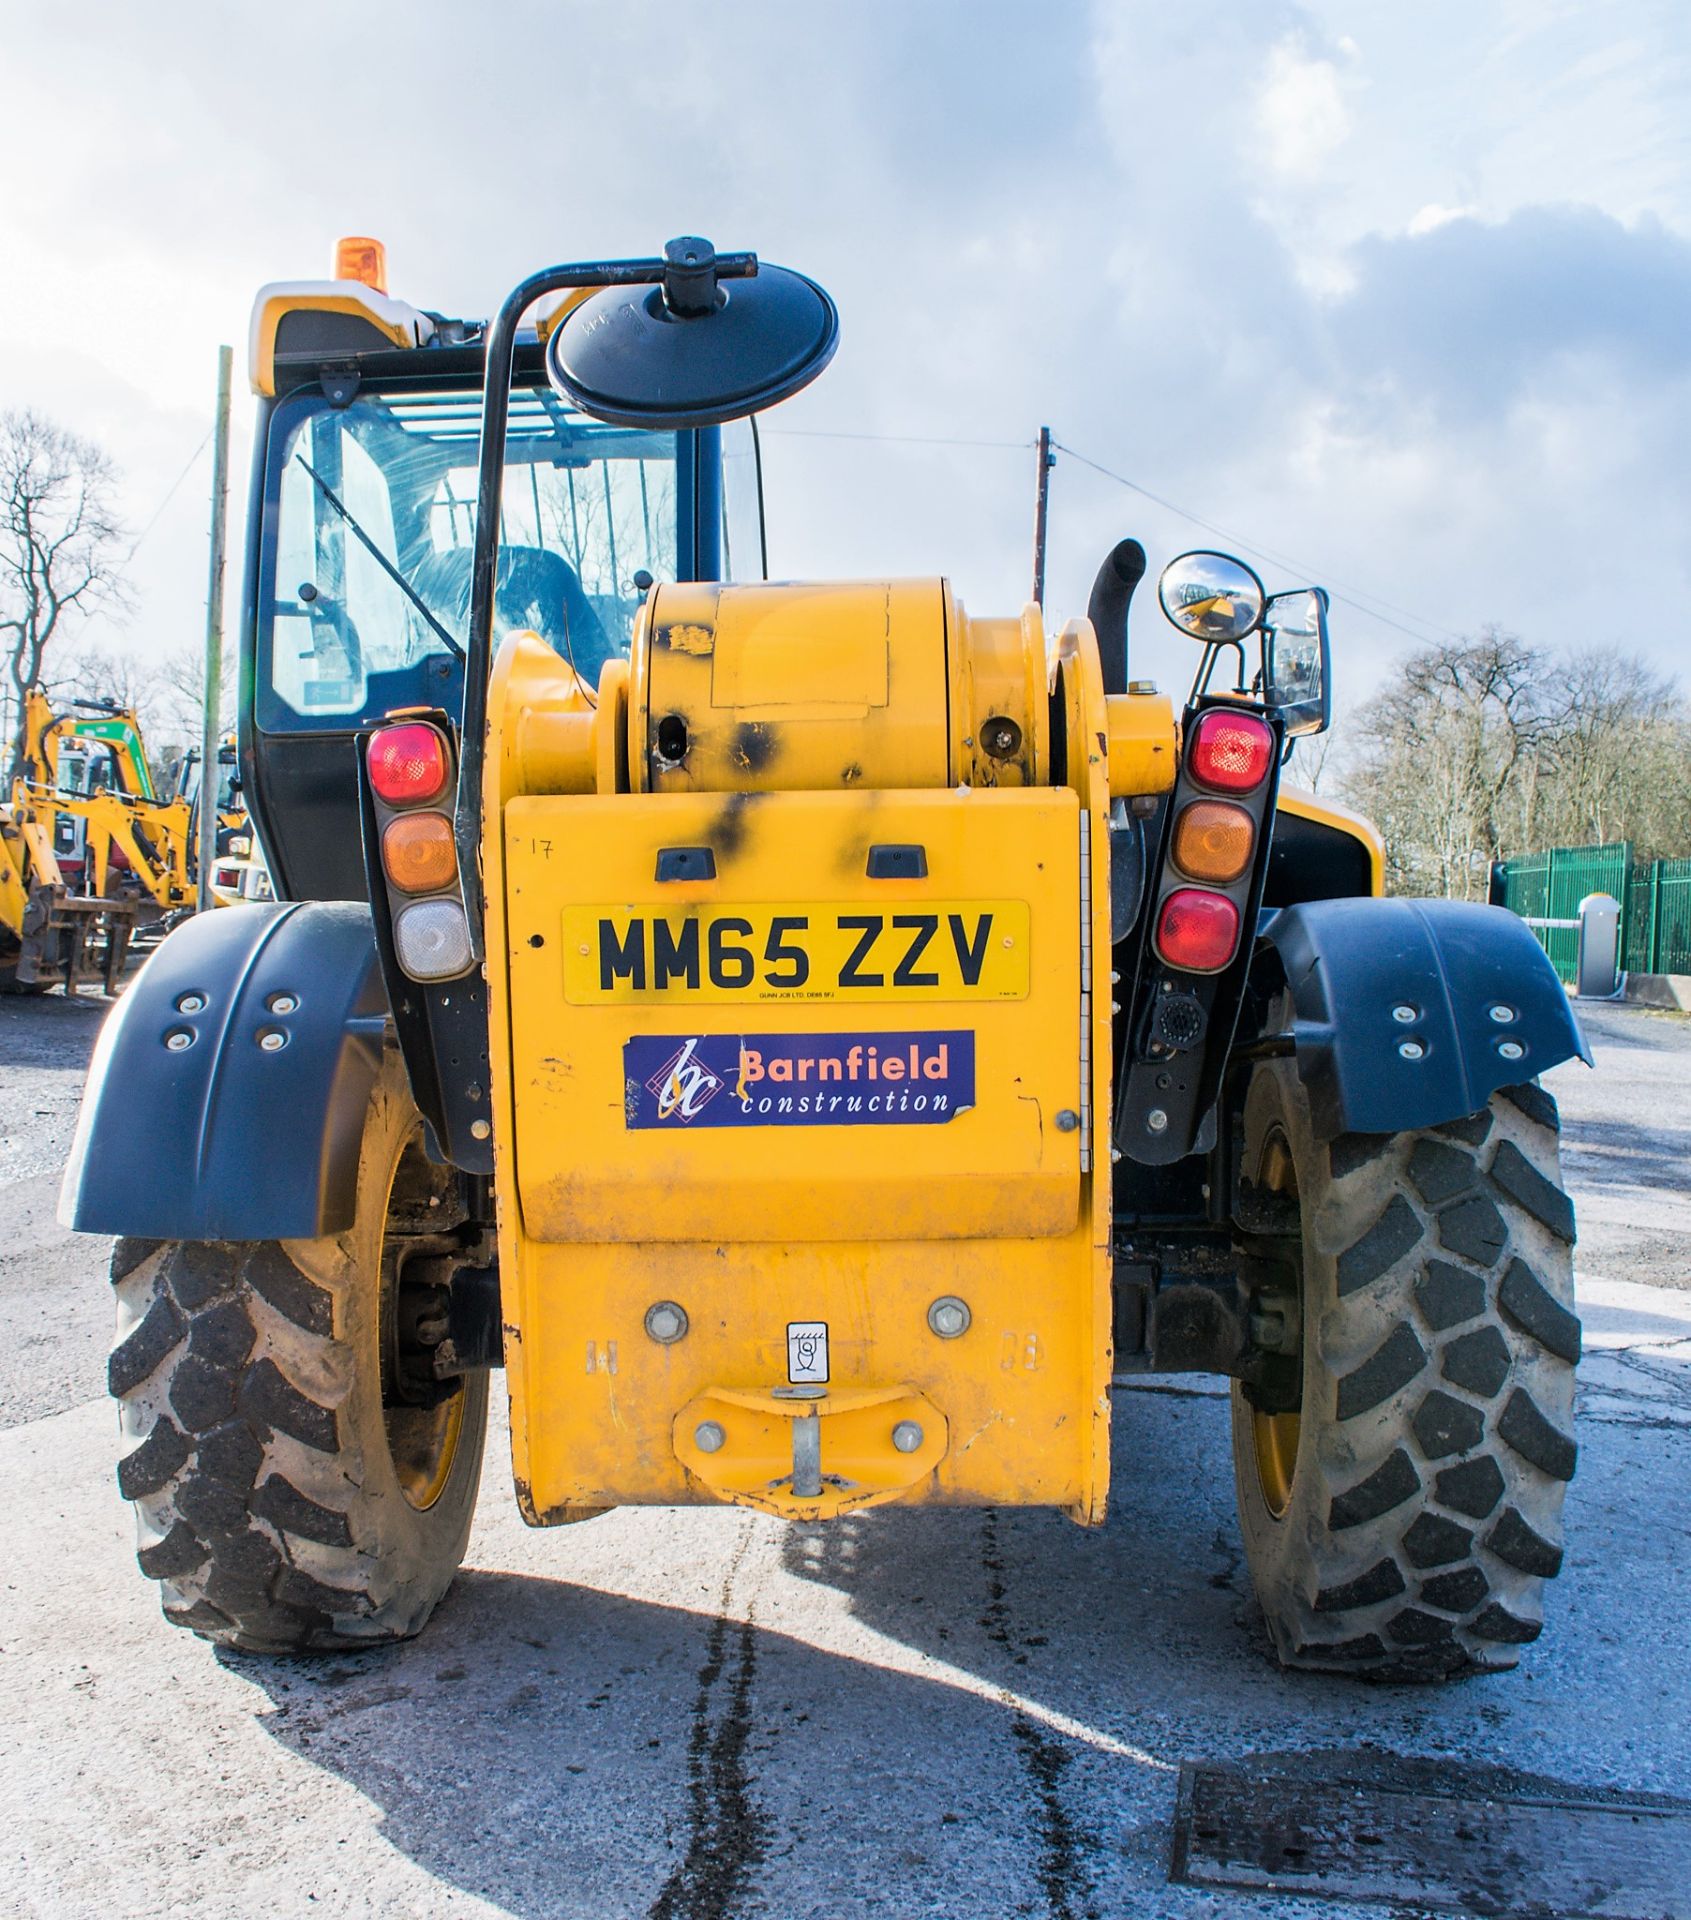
(409, 764)
(1197, 931)
(1231, 752)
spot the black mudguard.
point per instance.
(224, 1138)
(1350, 965)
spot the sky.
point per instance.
(1397, 297)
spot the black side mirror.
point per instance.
(1296, 677)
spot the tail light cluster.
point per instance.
(1214, 840)
(411, 773)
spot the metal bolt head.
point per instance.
(949, 1317)
(178, 1040)
(283, 1003)
(271, 1039)
(1405, 1016)
(1511, 1049)
(708, 1437)
(1411, 1050)
(1157, 1120)
(666, 1322)
(1067, 1120)
(481, 1129)
(190, 1003)
(907, 1436)
(1501, 1014)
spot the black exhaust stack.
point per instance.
(1112, 594)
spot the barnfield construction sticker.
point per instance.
(797, 1079)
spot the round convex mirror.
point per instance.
(1211, 596)
(695, 350)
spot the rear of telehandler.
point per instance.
(813, 1037)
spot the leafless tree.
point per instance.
(59, 541)
(1488, 748)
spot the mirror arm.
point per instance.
(497, 368)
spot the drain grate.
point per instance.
(1473, 1840)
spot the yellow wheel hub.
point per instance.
(1276, 1434)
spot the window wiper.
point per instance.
(380, 558)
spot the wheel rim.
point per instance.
(422, 1440)
(423, 1444)
(1275, 1435)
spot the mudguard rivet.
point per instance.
(1067, 1120)
(283, 1003)
(1510, 1049)
(271, 1040)
(178, 1039)
(1404, 1016)
(907, 1436)
(949, 1317)
(480, 1130)
(1502, 1015)
(1157, 1120)
(191, 1003)
(666, 1322)
(708, 1437)
(1412, 1050)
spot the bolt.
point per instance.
(1501, 1014)
(666, 1322)
(283, 1003)
(1115, 1155)
(178, 1039)
(1511, 1049)
(1412, 1050)
(1067, 1120)
(1404, 1016)
(907, 1436)
(191, 1003)
(480, 1130)
(949, 1317)
(1114, 977)
(1157, 1120)
(708, 1437)
(271, 1039)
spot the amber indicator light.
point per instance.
(418, 852)
(1212, 841)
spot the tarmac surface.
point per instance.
(703, 1713)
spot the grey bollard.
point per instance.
(1598, 972)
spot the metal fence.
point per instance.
(1545, 889)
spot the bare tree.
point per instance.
(59, 538)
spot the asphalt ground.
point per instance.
(704, 1713)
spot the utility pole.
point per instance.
(1047, 460)
(211, 734)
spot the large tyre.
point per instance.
(1401, 1494)
(288, 1497)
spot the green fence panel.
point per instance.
(1655, 899)
(1545, 889)
(1670, 950)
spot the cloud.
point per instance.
(1301, 112)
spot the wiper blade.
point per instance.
(380, 558)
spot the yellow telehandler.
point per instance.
(813, 1037)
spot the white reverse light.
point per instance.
(432, 938)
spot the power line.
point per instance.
(1350, 597)
(892, 439)
(170, 495)
(1350, 594)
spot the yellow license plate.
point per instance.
(801, 951)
